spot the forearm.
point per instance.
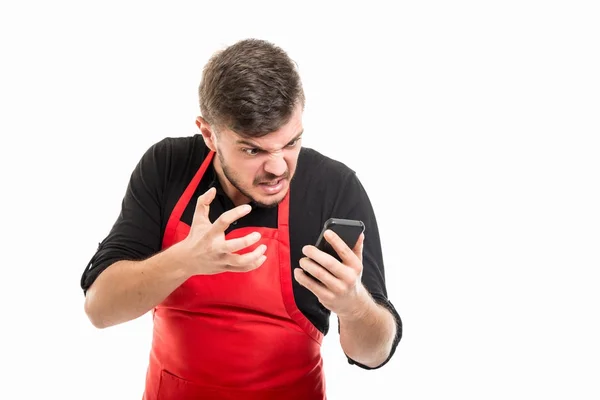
(367, 337)
(128, 289)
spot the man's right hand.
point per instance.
(128, 289)
(206, 249)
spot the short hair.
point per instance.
(251, 87)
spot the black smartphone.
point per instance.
(348, 230)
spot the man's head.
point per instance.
(251, 100)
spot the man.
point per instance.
(215, 238)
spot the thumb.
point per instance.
(203, 206)
(358, 247)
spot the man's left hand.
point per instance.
(339, 287)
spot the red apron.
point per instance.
(235, 335)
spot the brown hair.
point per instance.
(251, 87)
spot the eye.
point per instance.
(294, 143)
(250, 151)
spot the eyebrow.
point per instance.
(250, 144)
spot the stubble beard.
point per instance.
(231, 177)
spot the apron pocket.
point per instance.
(174, 388)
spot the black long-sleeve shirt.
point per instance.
(320, 189)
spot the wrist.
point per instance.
(178, 260)
(362, 306)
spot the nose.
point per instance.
(276, 165)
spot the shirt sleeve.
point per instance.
(354, 203)
(137, 232)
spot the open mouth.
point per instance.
(273, 183)
(272, 187)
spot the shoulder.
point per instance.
(316, 166)
(173, 157)
(331, 182)
(323, 183)
(168, 164)
(177, 147)
(327, 177)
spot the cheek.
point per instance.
(292, 162)
(250, 171)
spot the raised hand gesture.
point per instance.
(209, 252)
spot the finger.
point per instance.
(229, 217)
(341, 248)
(358, 248)
(327, 261)
(247, 261)
(317, 288)
(203, 206)
(321, 274)
(237, 244)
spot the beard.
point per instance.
(233, 179)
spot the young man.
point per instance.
(216, 235)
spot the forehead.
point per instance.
(274, 140)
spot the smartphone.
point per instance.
(348, 230)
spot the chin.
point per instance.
(269, 201)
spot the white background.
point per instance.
(473, 125)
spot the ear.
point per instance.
(207, 133)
